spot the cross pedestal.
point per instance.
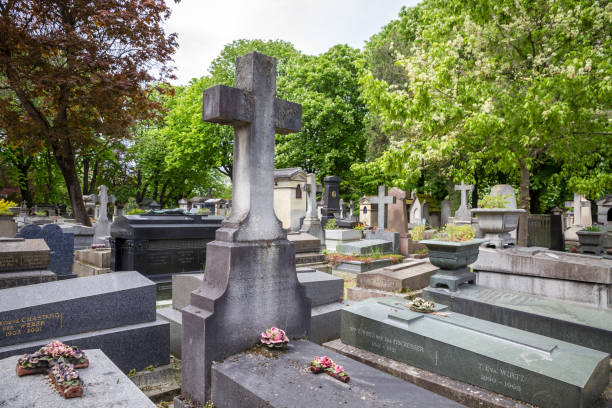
(250, 282)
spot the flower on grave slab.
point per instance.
(321, 364)
(338, 369)
(274, 338)
(419, 304)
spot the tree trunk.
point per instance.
(94, 177)
(64, 155)
(475, 192)
(524, 204)
(85, 175)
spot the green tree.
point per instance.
(72, 70)
(332, 135)
(506, 85)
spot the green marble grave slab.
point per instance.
(533, 368)
(575, 323)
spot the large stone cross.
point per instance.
(256, 114)
(382, 200)
(311, 204)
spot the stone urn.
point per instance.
(8, 226)
(591, 241)
(496, 223)
(452, 258)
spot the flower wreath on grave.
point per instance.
(274, 338)
(422, 306)
(326, 365)
(66, 379)
(41, 360)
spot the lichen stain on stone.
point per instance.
(265, 352)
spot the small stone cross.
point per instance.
(256, 114)
(311, 188)
(579, 203)
(382, 200)
(464, 188)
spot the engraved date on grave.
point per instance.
(29, 324)
(502, 376)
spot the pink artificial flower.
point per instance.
(338, 369)
(325, 361)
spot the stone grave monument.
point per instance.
(382, 199)
(59, 242)
(289, 197)
(397, 219)
(159, 246)
(114, 312)
(529, 367)
(250, 282)
(24, 262)
(463, 214)
(105, 387)
(312, 223)
(324, 291)
(331, 199)
(102, 227)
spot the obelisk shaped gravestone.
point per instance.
(250, 281)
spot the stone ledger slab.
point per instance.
(56, 309)
(304, 242)
(365, 247)
(583, 325)
(105, 387)
(357, 267)
(254, 380)
(526, 366)
(19, 254)
(397, 278)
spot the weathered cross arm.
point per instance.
(232, 106)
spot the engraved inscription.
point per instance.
(501, 376)
(385, 343)
(29, 324)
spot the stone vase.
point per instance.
(452, 258)
(8, 226)
(496, 223)
(591, 241)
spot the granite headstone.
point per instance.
(59, 242)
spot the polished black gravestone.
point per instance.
(114, 312)
(331, 199)
(250, 282)
(59, 242)
(159, 246)
(260, 379)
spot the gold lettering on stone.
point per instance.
(29, 324)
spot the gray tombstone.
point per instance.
(445, 212)
(250, 282)
(507, 191)
(102, 228)
(463, 212)
(60, 243)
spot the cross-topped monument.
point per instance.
(382, 200)
(256, 114)
(463, 212)
(579, 204)
(250, 282)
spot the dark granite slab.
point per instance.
(105, 387)
(55, 309)
(132, 346)
(365, 247)
(23, 278)
(60, 243)
(540, 370)
(321, 287)
(575, 323)
(252, 379)
(359, 266)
